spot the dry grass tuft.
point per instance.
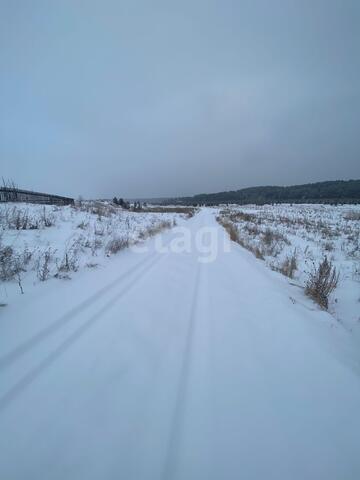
(355, 216)
(188, 211)
(230, 228)
(322, 282)
(116, 244)
(289, 266)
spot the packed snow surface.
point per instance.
(162, 365)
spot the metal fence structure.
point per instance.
(9, 194)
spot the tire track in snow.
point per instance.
(26, 380)
(9, 358)
(178, 413)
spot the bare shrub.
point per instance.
(19, 282)
(252, 229)
(236, 237)
(188, 211)
(289, 266)
(322, 281)
(83, 225)
(327, 231)
(43, 265)
(13, 263)
(240, 216)
(329, 246)
(159, 227)
(95, 245)
(116, 244)
(47, 219)
(21, 220)
(268, 248)
(8, 266)
(18, 218)
(143, 235)
(356, 272)
(256, 251)
(99, 230)
(69, 263)
(268, 237)
(92, 265)
(271, 236)
(230, 228)
(352, 215)
(102, 209)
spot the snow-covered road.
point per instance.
(161, 367)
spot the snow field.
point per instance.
(39, 242)
(294, 239)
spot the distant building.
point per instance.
(8, 194)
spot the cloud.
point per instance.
(151, 99)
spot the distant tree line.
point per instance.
(121, 202)
(334, 192)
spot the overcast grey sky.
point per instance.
(146, 98)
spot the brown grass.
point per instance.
(289, 266)
(322, 281)
(236, 237)
(115, 245)
(355, 216)
(230, 228)
(189, 211)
